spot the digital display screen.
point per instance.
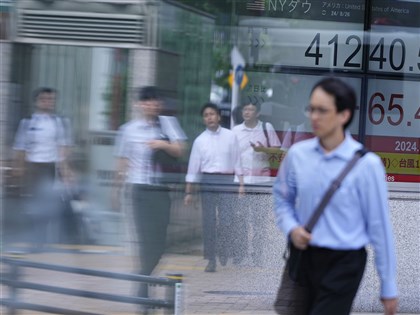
(394, 39)
(316, 34)
(330, 35)
(393, 127)
(277, 36)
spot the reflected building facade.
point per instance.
(96, 54)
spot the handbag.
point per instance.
(171, 167)
(276, 156)
(292, 292)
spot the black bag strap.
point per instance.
(332, 189)
(266, 133)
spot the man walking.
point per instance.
(257, 140)
(334, 253)
(138, 142)
(41, 148)
(214, 161)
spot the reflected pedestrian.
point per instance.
(137, 143)
(214, 161)
(257, 141)
(334, 253)
(41, 146)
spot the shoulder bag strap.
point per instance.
(332, 189)
(266, 133)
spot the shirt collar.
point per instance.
(143, 123)
(214, 132)
(345, 149)
(244, 127)
(42, 115)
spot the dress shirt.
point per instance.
(40, 137)
(256, 166)
(132, 143)
(356, 215)
(214, 152)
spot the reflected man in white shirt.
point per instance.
(214, 161)
(41, 146)
(257, 140)
(138, 142)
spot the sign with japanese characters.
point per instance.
(394, 39)
(393, 127)
(339, 11)
(375, 47)
(301, 43)
(330, 35)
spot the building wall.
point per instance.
(150, 69)
(5, 90)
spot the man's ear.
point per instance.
(345, 116)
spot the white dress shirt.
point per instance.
(132, 143)
(214, 152)
(256, 166)
(40, 137)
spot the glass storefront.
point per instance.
(286, 46)
(98, 54)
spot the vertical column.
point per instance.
(5, 68)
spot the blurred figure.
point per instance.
(41, 147)
(257, 140)
(214, 161)
(138, 143)
(334, 254)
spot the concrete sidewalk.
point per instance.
(230, 290)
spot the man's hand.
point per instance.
(390, 306)
(188, 199)
(300, 237)
(115, 199)
(159, 144)
(241, 191)
(258, 147)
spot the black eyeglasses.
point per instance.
(309, 110)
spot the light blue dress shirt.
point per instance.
(356, 215)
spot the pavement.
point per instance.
(243, 289)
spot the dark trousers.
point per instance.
(39, 176)
(334, 277)
(42, 204)
(151, 208)
(219, 215)
(252, 225)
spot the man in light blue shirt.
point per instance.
(357, 214)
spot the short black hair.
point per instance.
(148, 93)
(343, 93)
(43, 90)
(256, 105)
(210, 105)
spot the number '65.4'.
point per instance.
(374, 107)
